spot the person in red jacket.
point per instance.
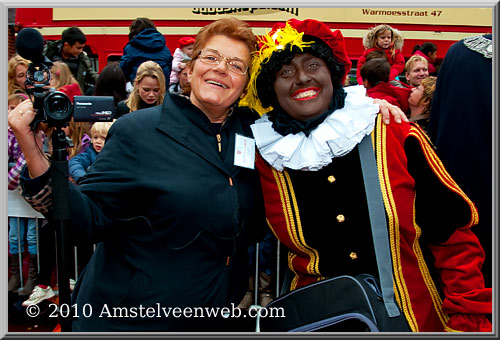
(375, 74)
(389, 40)
(429, 51)
(62, 80)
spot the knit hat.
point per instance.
(284, 36)
(185, 41)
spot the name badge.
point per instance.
(244, 152)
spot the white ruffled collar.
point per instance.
(336, 136)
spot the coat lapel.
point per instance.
(187, 125)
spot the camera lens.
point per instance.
(58, 107)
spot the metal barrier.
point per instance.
(19, 208)
(276, 272)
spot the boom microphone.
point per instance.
(29, 45)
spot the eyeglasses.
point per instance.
(213, 57)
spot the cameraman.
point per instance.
(70, 51)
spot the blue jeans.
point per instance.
(22, 223)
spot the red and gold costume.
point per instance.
(410, 207)
(316, 203)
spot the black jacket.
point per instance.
(174, 217)
(84, 74)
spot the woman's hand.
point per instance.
(387, 109)
(20, 118)
(30, 142)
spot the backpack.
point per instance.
(340, 304)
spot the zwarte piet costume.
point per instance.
(316, 205)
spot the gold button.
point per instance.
(331, 179)
(353, 256)
(340, 218)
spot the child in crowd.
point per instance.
(62, 80)
(182, 54)
(19, 226)
(79, 164)
(145, 43)
(182, 86)
(389, 40)
(77, 132)
(375, 74)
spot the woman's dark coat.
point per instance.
(175, 218)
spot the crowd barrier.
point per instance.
(18, 208)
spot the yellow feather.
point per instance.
(286, 37)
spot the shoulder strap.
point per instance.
(378, 223)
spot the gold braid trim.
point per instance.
(313, 266)
(287, 210)
(295, 280)
(393, 223)
(443, 175)
(424, 270)
(293, 223)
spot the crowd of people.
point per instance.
(237, 140)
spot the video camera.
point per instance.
(55, 107)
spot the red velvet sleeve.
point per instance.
(457, 252)
(459, 261)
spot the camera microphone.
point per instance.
(29, 45)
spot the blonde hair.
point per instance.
(413, 59)
(77, 130)
(429, 86)
(17, 97)
(61, 73)
(146, 69)
(15, 61)
(370, 38)
(100, 128)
